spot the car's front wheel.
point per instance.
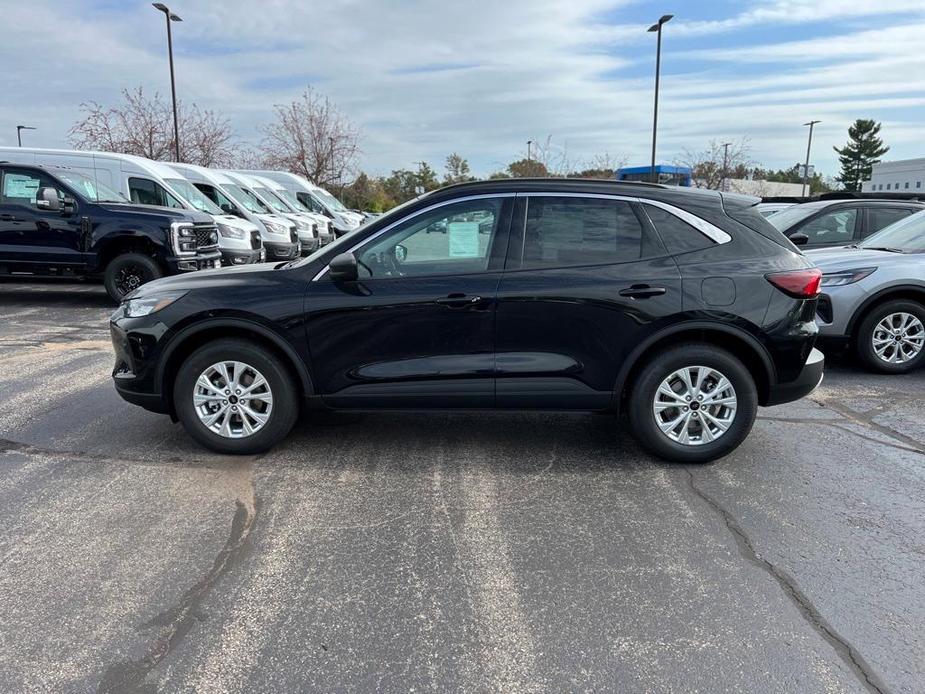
(891, 338)
(693, 403)
(127, 272)
(236, 397)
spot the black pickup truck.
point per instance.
(56, 222)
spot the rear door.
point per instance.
(586, 281)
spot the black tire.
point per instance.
(285, 405)
(642, 400)
(127, 272)
(864, 339)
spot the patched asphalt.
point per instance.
(468, 552)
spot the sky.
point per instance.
(424, 78)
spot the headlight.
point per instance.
(275, 228)
(183, 238)
(136, 308)
(231, 232)
(838, 279)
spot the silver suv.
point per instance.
(873, 296)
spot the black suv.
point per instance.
(834, 223)
(684, 309)
(56, 222)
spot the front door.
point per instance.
(587, 281)
(30, 236)
(417, 328)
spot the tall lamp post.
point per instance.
(19, 129)
(722, 185)
(171, 17)
(808, 147)
(529, 144)
(657, 27)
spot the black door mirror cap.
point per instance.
(344, 268)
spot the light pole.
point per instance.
(171, 17)
(19, 129)
(808, 147)
(657, 27)
(722, 185)
(529, 143)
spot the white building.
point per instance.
(764, 189)
(903, 176)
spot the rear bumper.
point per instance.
(804, 384)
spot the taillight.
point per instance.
(800, 284)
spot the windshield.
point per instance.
(267, 196)
(193, 196)
(907, 235)
(785, 219)
(93, 191)
(247, 199)
(293, 201)
(329, 200)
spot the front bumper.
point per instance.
(309, 245)
(804, 384)
(133, 374)
(200, 261)
(248, 257)
(281, 250)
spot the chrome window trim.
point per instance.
(394, 224)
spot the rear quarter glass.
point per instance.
(751, 217)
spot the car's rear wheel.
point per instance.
(127, 272)
(235, 397)
(693, 403)
(891, 338)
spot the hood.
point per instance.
(232, 276)
(169, 214)
(833, 259)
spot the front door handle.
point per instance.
(9, 218)
(642, 291)
(459, 300)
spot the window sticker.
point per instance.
(20, 186)
(464, 239)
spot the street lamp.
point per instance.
(657, 27)
(722, 185)
(808, 147)
(19, 129)
(171, 17)
(529, 143)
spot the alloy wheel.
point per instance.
(695, 405)
(232, 399)
(898, 338)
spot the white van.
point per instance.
(316, 199)
(305, 225)
(325, 227)
(279, 234)
(148, 182)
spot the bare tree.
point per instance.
(600, 166)
(716, 163)
(312, 138)
(144, 126)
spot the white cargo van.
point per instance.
(305, 225)
(148, 182)
(316, 199)
(325, 227)
(279, 234)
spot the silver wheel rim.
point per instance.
(232, 399)
(695, 405)
(898, 338)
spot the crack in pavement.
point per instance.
(836, 424)
(810, 613)
(867, 421)
(176, 622)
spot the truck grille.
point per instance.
(206, 236)
(255, 240)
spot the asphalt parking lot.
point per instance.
(473, 552)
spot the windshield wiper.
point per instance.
(884, 248)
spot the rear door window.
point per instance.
(881, 217)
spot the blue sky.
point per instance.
(423, 78)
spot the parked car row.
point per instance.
(130, 220)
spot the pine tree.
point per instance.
(857, 157)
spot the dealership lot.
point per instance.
(514, 552)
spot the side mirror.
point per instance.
(344, 268)
(799, 239)
(47, 199)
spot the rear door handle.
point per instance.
(459, 300)
(642, 291)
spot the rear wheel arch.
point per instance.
(192, 338)
(737, 342)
